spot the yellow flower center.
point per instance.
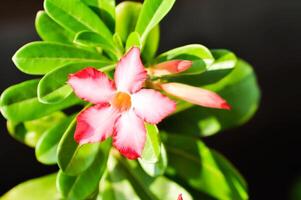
(122, 101)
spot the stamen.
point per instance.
(122, 101)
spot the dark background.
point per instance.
(266, 33)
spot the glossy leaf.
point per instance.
(43, 57)
(92, 39)
(19, 103)
(85, 185)
(144, 186)
(151, 14)
(53, 89)
(188, 52)
(47, 145)
(133, 41)
(50, 31)
(158, 168)
(29, 132)
(151, 151)
(241, 91)
(75, 16)
(205, 170)
(127, 14)
(73, 158)
(225, 59)
(35, 189)
(151, 45)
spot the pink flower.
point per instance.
(121, 106)
(180, 197)
(185, 92)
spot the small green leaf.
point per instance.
(133, 41)
(152, 12)
(151, 151)
(29, 132)
(85, 185)
(192, 162)
(188, 52)
(127, 14)
(241, 91)
(225, 59)
(158, 168)
(46, 147)
(35, 189)
(151, 45)
(75, 16)
(43, 57)
(19, 103)
(52, 88)
(50, 31)
(92, 39)
(73, 158)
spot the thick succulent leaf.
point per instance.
(143, 185)
(53, 89)
(85, 185)
(43, 57)
(133, 41)
(152, 13)
(158, 168)
(35, 189)
(188, 52)
(73, 158)
(241, 91)
(205, 170)
(50, 31)
(46, 147)
(91, 39)
(19, 103)
(127, 14)
(151, 151)
(151, 45)
(29, 132)
(105, 9)
(75, 16)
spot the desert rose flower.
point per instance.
(194, 95)
(121, 106)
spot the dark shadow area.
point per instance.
(265, 33)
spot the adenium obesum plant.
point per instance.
(100, 77)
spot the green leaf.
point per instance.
(49, 30)
(85, 185)
(192, 162)
(151, 151)
(152, 13)
(241, 91)
(75, 16)
(43, 57)
(35, 189)
(105, 9)
(92, 39)
(144, 186)
(19, 103)
(133, 41)
(29, 132)
(158, 168)
(73, 158)
(46, 147)
(127, 14)
(188, 52)
(53, 89)
(151, 45)
(225, 59)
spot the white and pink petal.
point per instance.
(92, 85)
(95, 124)
(170, 67)
(130, 74)
(195, 95)
(152, 106)
(129, 135)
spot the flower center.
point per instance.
(122, 101)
